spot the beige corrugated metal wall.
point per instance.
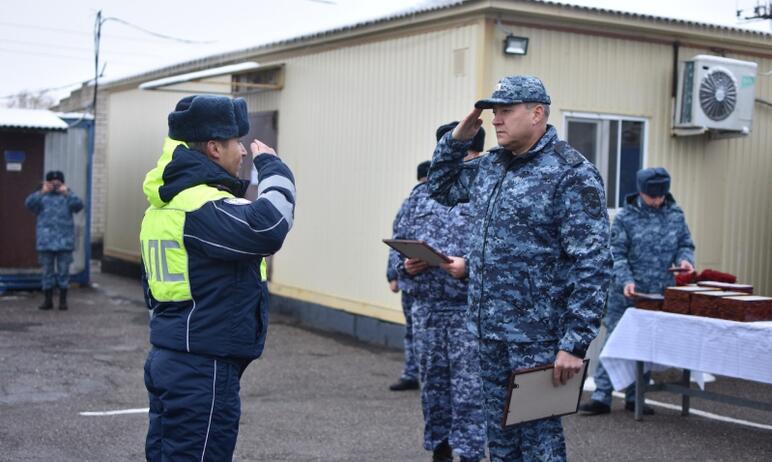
(723, 185)
(354, 120)
(353, 124)
(137, 125)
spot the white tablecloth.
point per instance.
(661, 340)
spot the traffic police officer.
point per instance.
(448, 356)
(54, 204)
(648, 236)
(202, 245)
(540, 262)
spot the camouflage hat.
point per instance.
(516, 89)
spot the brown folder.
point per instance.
(419, 250)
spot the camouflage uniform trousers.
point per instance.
(541, 440)
(56, 268)
(603, 386)
(410, 371)
(451, 394)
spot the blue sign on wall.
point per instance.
(14, 160)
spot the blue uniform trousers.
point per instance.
(603, 386)
(451, 395)
(410, 371)
(194, 407)
(541, 440)
(56, 268)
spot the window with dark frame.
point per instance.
(262, 79)
(615, 146)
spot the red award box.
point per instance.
(706, 303)
(648, 301)
(745, 308)
(678, 299)
(745, 288)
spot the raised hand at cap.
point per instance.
(467, 128)
(258, 147)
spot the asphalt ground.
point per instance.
(312, 397)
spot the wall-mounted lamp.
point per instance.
(515, 45)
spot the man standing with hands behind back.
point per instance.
(540, 263)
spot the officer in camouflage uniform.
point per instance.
(649, 235)
(409, 378)
(448, 356)
(540, 263)
(54, 204)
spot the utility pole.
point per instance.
(97, 36)
(762, 11)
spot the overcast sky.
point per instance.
(48, 44)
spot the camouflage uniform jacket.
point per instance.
(540, 263)
(447, 230)
(645, 241)
(55, 231)
(392, 266)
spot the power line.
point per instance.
(52, 29)
(135, 59)
(155, 34)
(49, 55)
(76, 32)
(87, 49)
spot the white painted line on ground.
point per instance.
(118, 412)
(705, 414)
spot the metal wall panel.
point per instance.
(137, 126)
(354, 123)
(355, 120)
(722, 185)
(68, 153)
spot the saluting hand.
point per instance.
(258, 147)
(467, 128)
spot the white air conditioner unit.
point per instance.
(714, 95)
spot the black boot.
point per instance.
(442, 453)
(647, 410)
(404, 384)
(48, 303)
(62, 299)
(594, 408)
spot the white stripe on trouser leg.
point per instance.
(211, 411)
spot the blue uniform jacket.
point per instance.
(645, 242)
(392, 271)
(54, 230)
(540, 263)
(447, 230)
(225, 241)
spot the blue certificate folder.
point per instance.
(532, 396)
